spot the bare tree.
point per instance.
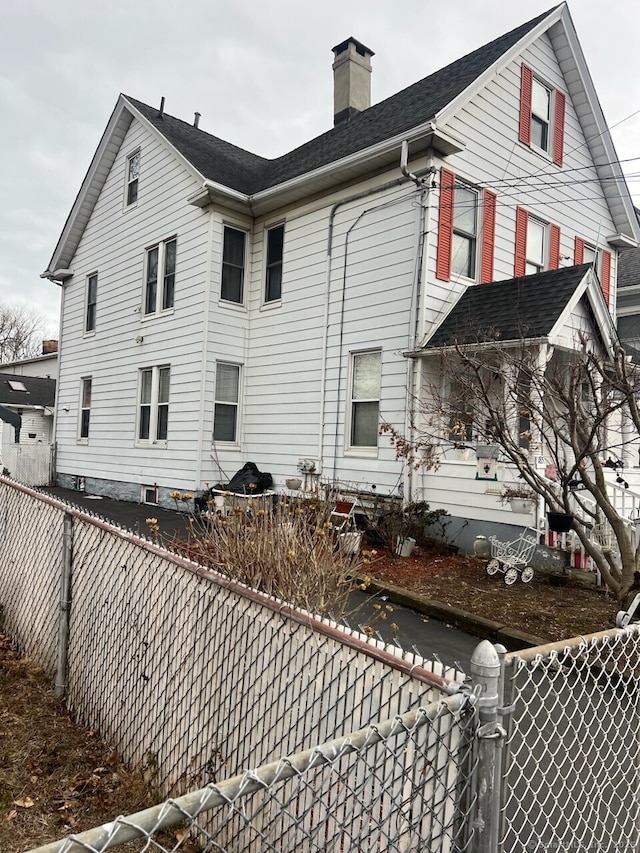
(575, 409)
(21, 332)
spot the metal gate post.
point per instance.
(485, 674)
(65, 604)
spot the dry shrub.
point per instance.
(290, 551)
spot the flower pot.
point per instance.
(464, 453)
(405, 546)
(560, 522)
(293, 483)
(521, 505)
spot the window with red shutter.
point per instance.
(542, 116)
(554, 247)
(606, 276)
(445, 225)
(578, 251)
(521, 241)
(488, 236)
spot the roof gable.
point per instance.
(532, 307)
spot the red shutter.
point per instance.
(521, 241)
(578, 251)
(558, 129)
(554, 247)
(488, 236)
(606, 275)
(445, 225)
(526, 87)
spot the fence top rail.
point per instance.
(352, 639)
(530, 654)
(191, 805)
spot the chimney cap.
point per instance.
(362, 49)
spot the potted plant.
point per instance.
(520, 497)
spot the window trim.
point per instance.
(270, 265)
(90, 307)
(154, 404)
(351, 448)
(551, 246)
(161, 278)
(129, 182)
(84, 409)
(235, 442)
(243, 269)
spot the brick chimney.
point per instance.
(351, 79)
(49, 347)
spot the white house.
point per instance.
(219, 307)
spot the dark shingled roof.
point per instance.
(248, 173)
(40, 392)
(629, 268)
(525, 307)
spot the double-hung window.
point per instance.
(92, 299)
(600, 260)
(273, 279)
(542, 116)
(233, 264)
(537, 245)
(160, 277)
(153, 405)
(85, 407)
(227, 396)
(365, 400)
(465, 231)
(133, 176)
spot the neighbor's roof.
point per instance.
(219, 161)
(520, 308)
(39, 392)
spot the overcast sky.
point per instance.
(259, 73)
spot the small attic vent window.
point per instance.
(15, 385)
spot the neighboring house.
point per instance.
(219, 307)
(26, 427)
(628, 302)
(44, 366)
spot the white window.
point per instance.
(233, 264)
(540, 115)
(365, 400)
(537, 248)
(153, 405)
(92, 299)
(275, 247)
(85, 407)
(160, 278)
(465, 231)
(227, 396)
(133, 176)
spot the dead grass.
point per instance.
(55, 776)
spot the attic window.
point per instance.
(15, 385)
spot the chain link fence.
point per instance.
(393, 786)
(573, 747)
(197, 679)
